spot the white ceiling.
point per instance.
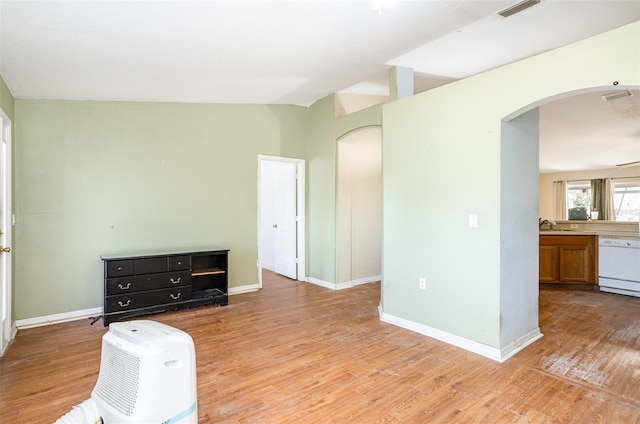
(283, 52)
(585, 132)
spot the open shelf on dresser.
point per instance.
(207, 271)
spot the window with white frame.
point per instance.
(626, 199)
(578, 195)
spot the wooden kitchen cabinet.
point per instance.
(548, 272)
(569, 259)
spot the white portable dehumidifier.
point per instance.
(147, 376)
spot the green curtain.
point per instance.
(598, 199)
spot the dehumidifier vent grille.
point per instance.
(118, 379)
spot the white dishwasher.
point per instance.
(619, 264)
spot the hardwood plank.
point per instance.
(296, 352)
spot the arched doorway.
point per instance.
(527, 190)
(359, 207)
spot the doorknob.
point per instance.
(5, 249)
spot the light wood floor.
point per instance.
(297, 352)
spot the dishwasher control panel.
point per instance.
(620, 241)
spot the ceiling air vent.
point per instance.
(617, 95)
(518, 7)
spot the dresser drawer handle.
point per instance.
(175, 281)
(122, 305)
(175, 297)
(121, 287)
(119, 268)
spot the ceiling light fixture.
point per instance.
(617, 95)
(629, 163)
(518, 7)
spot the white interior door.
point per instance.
(6, 332)
(281, 216)
(285, 213)
(266, 203)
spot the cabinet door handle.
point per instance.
(121, 287)
(175, 281)
(122, 305)
(175, 297)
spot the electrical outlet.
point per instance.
(422, 283)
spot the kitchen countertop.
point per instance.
(587, 233)
(567, 233)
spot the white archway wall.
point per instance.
(359, 206)
(518, 227)
(442, 162)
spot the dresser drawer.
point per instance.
(128, 302)
(179, 263)
(147, 282)
(119, 268)
(150, 265)
(168, 279)
(124, 285)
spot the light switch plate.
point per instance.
(473, 221)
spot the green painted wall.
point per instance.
(94, 177)
(6, 99)
(321, 197)
(442, 162)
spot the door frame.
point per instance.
(300, 214)
(7, 330)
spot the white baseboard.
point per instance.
(345, 285)
(519, 344)
(12, 336)
(366, 280)
(57, 318)
(243, 289)
(496, 354)
(88, 313)
(322, 283)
